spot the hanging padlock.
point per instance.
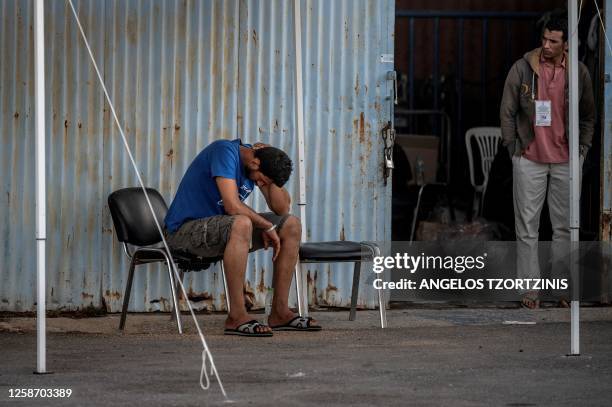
(390, 140)
(389, 163)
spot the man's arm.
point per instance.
(508, 108)
(233, 206)
(278, 199)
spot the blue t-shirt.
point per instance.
(197, 195)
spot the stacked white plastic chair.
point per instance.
(487, 140)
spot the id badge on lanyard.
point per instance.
(543, 113)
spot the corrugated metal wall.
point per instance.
(606, 142)
(182, 74)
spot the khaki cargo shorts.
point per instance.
(207, 237)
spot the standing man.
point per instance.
(534, 124)
(208, 218)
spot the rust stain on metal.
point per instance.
(255, 38)
(16, 115)
(205, 299)
(115, 295)
(311, 286)
(261, 286)
(357, 85)
(197, 297)
(85, 295)
(346, 30)
(330, 290)
(224, 301)
(342, 235)
(249, 295)
(361, 130)
(162, 300)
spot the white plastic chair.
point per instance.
(487, 139)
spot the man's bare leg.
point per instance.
(234, 262)
(284, 266)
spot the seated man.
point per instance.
(208, 218)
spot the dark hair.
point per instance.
(274, 164)
(557, 21)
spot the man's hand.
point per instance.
(271, 238)
(259, 145)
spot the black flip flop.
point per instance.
(247, 329)
(298, 324)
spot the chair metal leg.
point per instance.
(416, 212)
(175, 304)
(300, 291)
(176, 298)
(227, 300)
(381, 301)
(355, 290)
(126, 296)
(382, 309)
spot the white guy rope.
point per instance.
(206, 351)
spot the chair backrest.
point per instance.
(487, 139)
(134, 223)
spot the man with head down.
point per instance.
(208, 218)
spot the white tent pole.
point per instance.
(299, 91)
(299, 104)
(41, 232)
(574, 172)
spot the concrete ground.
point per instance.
(427, 357)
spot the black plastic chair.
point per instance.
(136, 229)
(340, 252)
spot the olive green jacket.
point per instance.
(517, 110)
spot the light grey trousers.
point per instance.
(532, 183)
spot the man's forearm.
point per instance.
(259, 221)
(280, 201)
(277, 198)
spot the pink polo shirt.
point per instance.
(550, 144)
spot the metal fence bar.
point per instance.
(460, 77)
(436, 60)
(411, 63)
(467, 14)
(483, 70)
